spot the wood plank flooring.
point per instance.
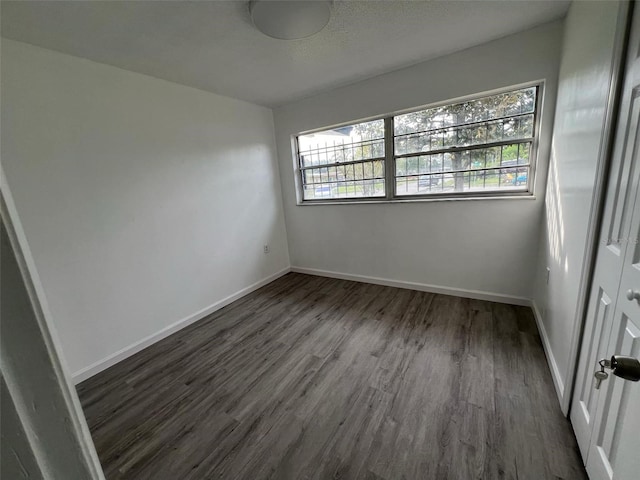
(317, 378)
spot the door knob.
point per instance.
(626, 367)
(633, 295)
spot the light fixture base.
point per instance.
(290, 20)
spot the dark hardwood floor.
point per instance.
(316, 378)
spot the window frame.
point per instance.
(390, 157)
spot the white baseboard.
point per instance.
(551, 360)
(423, 287)
(134, 348)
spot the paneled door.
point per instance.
(607, 420)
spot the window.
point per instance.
(345, 162)
(482, 146)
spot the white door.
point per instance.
(607, 421)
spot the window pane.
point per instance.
(511, 179)
(491, 119)
(514, 128)
(490, 168)
(448, 149)
(362, 179)
(344, 144)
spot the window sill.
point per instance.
(464, 198)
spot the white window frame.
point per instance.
(391, 195)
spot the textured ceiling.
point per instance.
(213, 46)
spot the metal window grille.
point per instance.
(483, 146)
(345, 162)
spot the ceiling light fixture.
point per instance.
(290, 20)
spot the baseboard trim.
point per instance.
(100, 365)
(558, 383)
(423, 287)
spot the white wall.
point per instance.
(478, 245)
(144, 202)
(578, 135)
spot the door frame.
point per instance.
(78, 438)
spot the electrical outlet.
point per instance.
(266, 249)
(548, 274)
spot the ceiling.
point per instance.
(212, 45)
